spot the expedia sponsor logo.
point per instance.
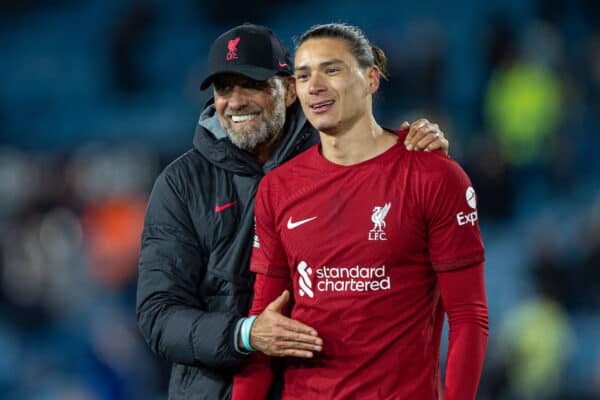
(464, 218)
(342, 279)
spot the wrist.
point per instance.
(244, 338)
(237, 338)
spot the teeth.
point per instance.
(243, 118)
(326, 103)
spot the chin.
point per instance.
(322, 124)
(328, 128)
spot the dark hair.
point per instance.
(365, 53)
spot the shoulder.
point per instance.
(438, 179)
(185, 176)
(434, 165)
(187, 163)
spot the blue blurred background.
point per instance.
(97, 96)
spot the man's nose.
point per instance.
(237, 98)
(316, 84)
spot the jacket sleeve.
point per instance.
(169, 307)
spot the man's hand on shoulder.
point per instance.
(424, 135)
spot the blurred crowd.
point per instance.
(97, 97)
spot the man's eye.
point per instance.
(301, 77)
(221, 88)
(332, 70)
(256, 85)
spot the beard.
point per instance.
(270, 125)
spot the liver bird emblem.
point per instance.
(232, 49)
(378, 216)
(232, 45)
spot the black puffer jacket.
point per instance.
(194, 283)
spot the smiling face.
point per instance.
(334, 90)
(251, 112)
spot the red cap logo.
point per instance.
(232, 49)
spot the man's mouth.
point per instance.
(243, 117)
(321, 104)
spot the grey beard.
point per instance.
(249, 139)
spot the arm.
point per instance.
(457, 255)
(463, 297)
(171, 267)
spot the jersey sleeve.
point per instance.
(450, 204)
(268, 254)
(463, 297)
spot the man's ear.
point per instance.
(290, 91)
(373, 75)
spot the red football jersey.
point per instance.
(362, 245)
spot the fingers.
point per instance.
(426, 136)
(295, 345)
(427, 139)
(279, 336)
(294, 349)
(289, 340)
(287, 330)
(428, 142)
(292, 353)
(285, 341)
(295, 327)
(415, 128)
(440, 143)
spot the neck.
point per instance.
(363, 141)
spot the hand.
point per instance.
(279, 336)
(424, 135)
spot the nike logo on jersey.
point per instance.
(294, 225)
(224, 206)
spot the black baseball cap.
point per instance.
(250, 50)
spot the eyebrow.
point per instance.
(323, 64)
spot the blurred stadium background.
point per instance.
(97, 96)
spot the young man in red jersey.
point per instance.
(375, 242)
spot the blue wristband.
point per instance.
(245, 332)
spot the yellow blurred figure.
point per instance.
(523, 108)
(537, 338)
